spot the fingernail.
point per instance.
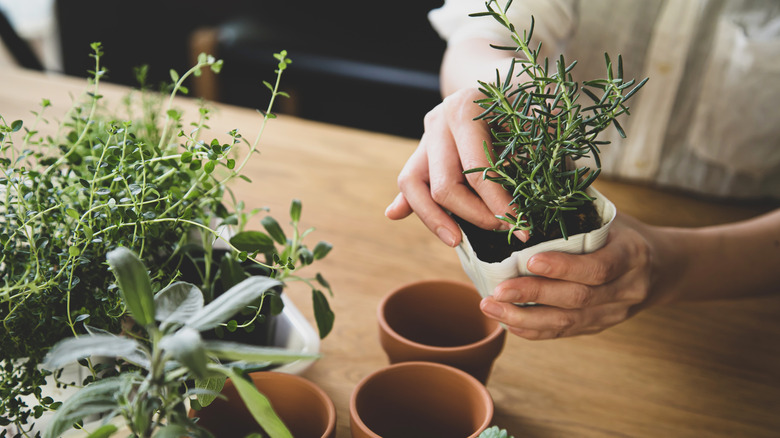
(491, 308)
(538, 267)
(446, 236)
(522, 235)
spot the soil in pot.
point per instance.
(492, 247)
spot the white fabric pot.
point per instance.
(486, 276)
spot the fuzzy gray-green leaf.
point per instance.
(232, 351)
(96, 398)
(259, 407)
(177, 302)
(134, 284)
(186, 346)
(72, 349)
(230, 302)
(212, 385)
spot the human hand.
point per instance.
(432, 181)
(584, 293)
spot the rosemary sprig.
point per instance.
(540, 129)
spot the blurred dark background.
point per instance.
(369, 65)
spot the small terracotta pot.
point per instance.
(305, 409)
(419, 399)
(440, 321)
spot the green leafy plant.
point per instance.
(137, 176)
(494, 432)
(540, 129)
(151, 398)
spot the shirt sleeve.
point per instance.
(554, 21)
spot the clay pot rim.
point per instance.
(327, 401)
(485, 396)
(493, 336)
(319, 392)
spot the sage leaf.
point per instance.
(232, 351)
(177, 302)
(134, 284)
(212, 385)
(172, 431)
(259, 406)
(186, 346)
(96, 398)
(230, 302)
(103, 431)
(72, 349)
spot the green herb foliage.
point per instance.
(494, 432)
(151, 398)
(540, 128)
(145, 181)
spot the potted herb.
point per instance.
(540, 129)
(151, 397)
(136, 176)
(495, 432)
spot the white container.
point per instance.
(486, 276)
(295, 333)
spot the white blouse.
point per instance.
(708, 121)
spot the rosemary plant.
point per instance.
(143, 182)
(540, 129)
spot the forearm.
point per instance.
(726, 261)
(468, 61)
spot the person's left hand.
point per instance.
(580, 294)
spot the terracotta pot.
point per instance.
(419, 399)
(439, 321)
(486, 276)
(303, 407)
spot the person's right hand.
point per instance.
(432, 180)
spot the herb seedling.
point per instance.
(145, 181)
(540, 129)
(151, 399)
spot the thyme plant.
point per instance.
(145, 181)
(540, 128)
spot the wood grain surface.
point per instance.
(688, 370)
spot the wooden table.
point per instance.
(689, 370)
